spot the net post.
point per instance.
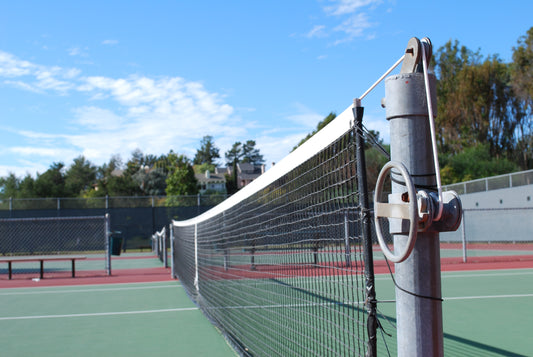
(108, 243)
(165, 255)
(172, 267)
(418, 302)
(196, 283)
(370, 298)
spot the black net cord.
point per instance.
(370, 298)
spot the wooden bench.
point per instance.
(41, 259)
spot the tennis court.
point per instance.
(486, 313)
(140, 319)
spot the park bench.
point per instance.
(41, 259)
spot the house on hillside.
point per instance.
(211, 182)
(246, 172)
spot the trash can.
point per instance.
(116, 243)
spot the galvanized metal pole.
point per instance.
(418, 304)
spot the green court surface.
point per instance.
(485, 313)
(148, 319)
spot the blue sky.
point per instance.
(100, 78)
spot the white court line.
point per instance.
(97, 314)
(446, 275)
(87, 290)
(477, 275)
(488, 297)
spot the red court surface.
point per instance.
(88, 277)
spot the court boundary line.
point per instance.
(34, 317)
(488, 297)
(67, 291)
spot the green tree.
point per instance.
(522, 82)
(208, 152)
(9, 186)
(152, 182)
(26, 187)
(250, 154)
(80, 177)
(51, 183)
(474, 162)
(234, 155)
(180, 180)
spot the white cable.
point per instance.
(382, 77)
(432, 129)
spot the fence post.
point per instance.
(463, 233)
(418, 303)
(108, 243)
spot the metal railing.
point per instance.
(514, 179)
(107, 202)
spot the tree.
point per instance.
(51, 183)
(250, 154)
(474, 162)
(152, 182)
(9, 186)
(522, 82)
(79, 177)
(234, 154)
(181, 179)
(26, 187)
(208, 153)
(246, 152)
(477, 103)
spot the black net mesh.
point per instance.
(281, 273)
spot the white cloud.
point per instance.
(94, 118)
(36, 78)
(41, 151)
(353, 27)
(11, 67)
(344, 7)
(110, 42)
(120, 115)
(274, 148)
(305, 117)
(317, 31)
(354, 20)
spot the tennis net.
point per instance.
(280, 266)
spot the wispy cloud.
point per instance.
(317, 31)
(119, 115)
(353, 27)
(354, 19)
(36, 78)
(347, 7)
(110, 42)
(78, 51)
(153, 114)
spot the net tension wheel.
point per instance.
(405, 208)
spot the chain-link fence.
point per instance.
(136, 217)
(504, 234)
(485, 235)
(54, 236)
